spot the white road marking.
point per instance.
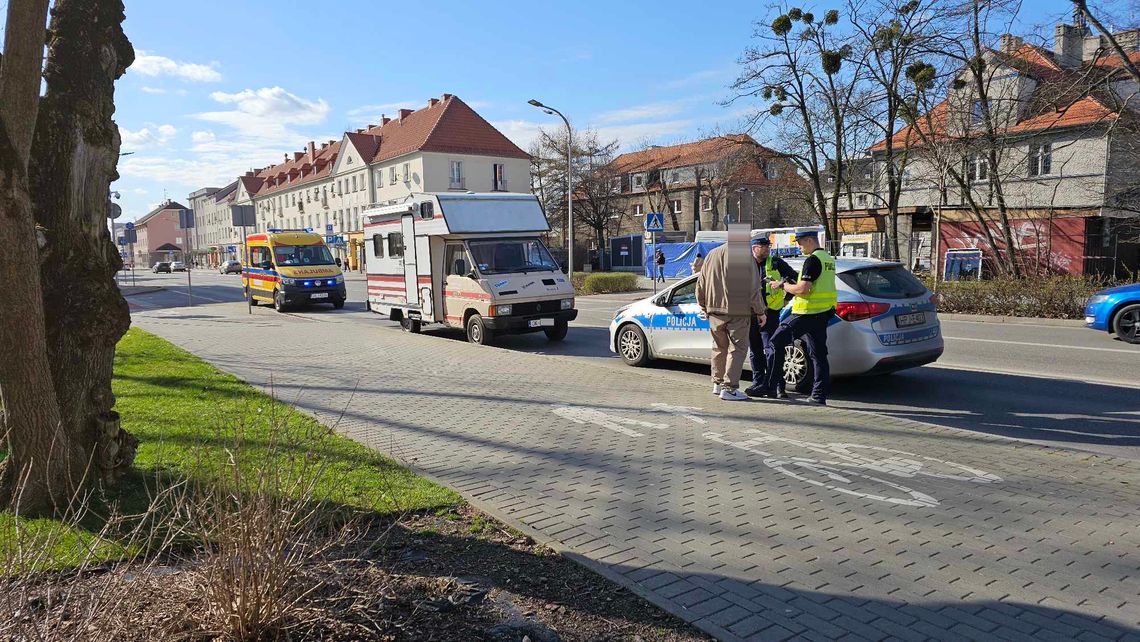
(583, 415)
(1043, 345)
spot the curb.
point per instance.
(984, 318)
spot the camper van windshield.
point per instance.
(511, 255)
(302, 255)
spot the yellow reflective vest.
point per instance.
(823, 295)
(775, 298)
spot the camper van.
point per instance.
(469, 261)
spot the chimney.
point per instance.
(249, 173)
(312, 151)
(404, 113)
(1068, 44)
(1010, 43)
(324, 146)
(384, 120)
(432, 102)
(298, 155)
(447, 97)
(286, 158)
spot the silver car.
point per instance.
(885, 321)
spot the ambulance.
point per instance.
(287, 268)
(470, 261)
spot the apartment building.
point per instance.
(158, 236)
(443, 146)
(706, 184)
(215, 237)
(1068, 160)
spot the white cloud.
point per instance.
(202, 137)
(720, 75)
(663, 109)
(140, 191)
(372, 113)
(521, 132)
(153, 90)
(150, 135)
(149, 64)
(630, 133)
(266, 107)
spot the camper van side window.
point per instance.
(395, 245)
(378, 246)
(427, 210)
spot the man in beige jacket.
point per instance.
(729, 293)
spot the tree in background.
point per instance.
(61, 323)
(596, 189)
(802, 75)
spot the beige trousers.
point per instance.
(730, 346)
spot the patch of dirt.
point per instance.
(456, 575)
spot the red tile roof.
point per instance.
(686, 154)
(1062, 98)
(448, 125)
(165, 207)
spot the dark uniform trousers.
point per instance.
(759, 336)
(812, 328)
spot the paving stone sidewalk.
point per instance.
(754, 521)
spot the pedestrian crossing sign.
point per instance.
(655, 222)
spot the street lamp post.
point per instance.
(569, 186)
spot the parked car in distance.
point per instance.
(230, 267)
(885, 321)
(178, 266)
(1116, 311)
(161, 266)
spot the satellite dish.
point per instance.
(115, 211)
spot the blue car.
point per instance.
(1116, 310)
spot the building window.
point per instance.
(637, 210)
(348, 160)
(1041, 159)
(392, 175)
(354, 183)
(407, 172)
(771, 171)
(615, 185)
(977, 115)
(638, 181)
(976, 168)
(675, 206)
(706, 204)
(456, 181)
(861, 200)
(499, 177)
(674, 176)
(378, 246)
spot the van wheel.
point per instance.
(477, 331)
(798, 373)
(558, 332)
(279, 300)
(409, 324)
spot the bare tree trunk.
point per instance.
(73, 164)
(32, 433)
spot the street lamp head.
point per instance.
(535, 103)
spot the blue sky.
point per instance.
(221, 87)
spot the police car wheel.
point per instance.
(477, 331)
(632, 346)
(797, 368)
(408, 324)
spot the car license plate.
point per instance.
(538, 323)
(909, 319)
(319, 295)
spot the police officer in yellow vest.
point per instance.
(771, 268)
(813, 306)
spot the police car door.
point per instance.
(678, 330)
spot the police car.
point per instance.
(885, 321)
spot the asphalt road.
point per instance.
(1062, 385)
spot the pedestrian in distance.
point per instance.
(697, 263)
(338, 262)
(659, 260)
(771, 269)
(728, 293)
(813, 305)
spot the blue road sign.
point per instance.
(655, 222)
(328, 228)
(122, 240)
(231, 248)
(334, 239)
(129, 226)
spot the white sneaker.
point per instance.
(732, 395)
(716, 388)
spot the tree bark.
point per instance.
(74, 154)
(32, 433)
